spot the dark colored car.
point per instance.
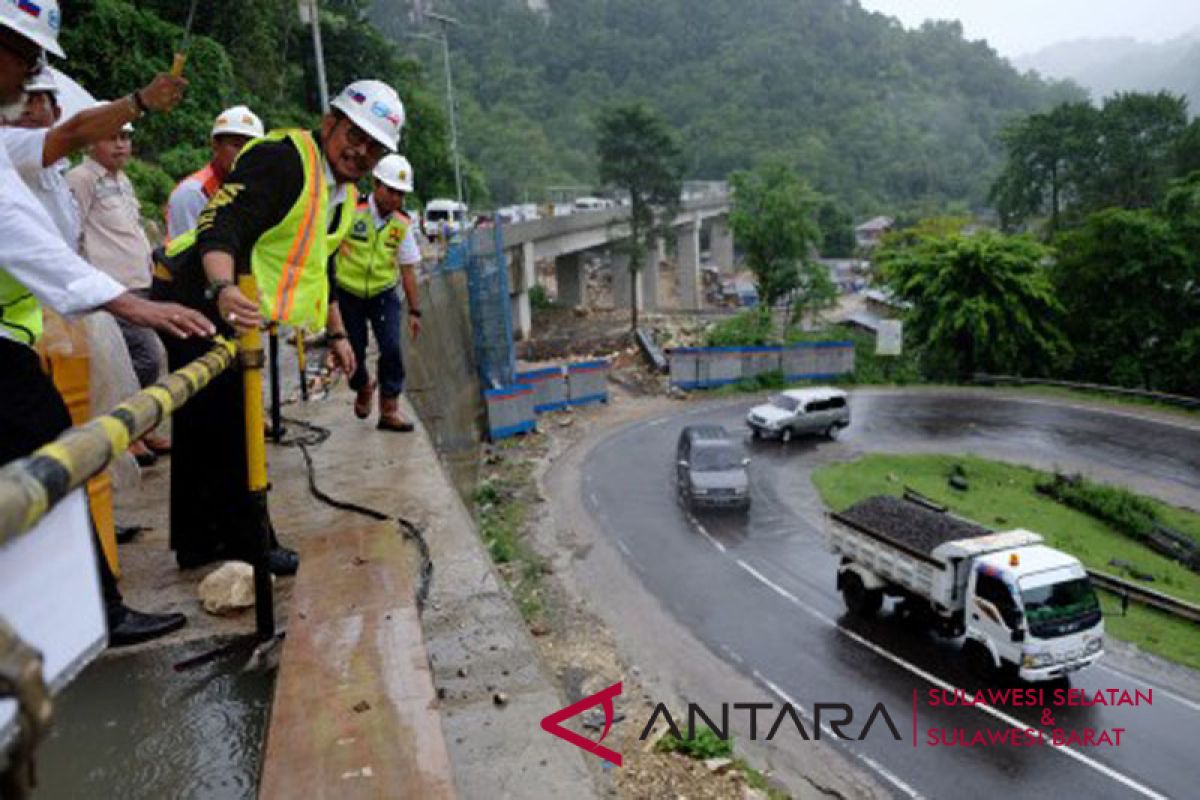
(710, 469)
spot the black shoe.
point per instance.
(282, 561)
(126, 626)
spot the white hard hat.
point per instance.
(36, 21)
(396, 172)
(240, 121)
(43, 81)
(376, 108)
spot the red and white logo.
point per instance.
(603, 698)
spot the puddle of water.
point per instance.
(131, 727)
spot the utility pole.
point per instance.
(446, 22)
(311, 15)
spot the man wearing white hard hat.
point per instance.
(279, 216)
(232, 130)
(37, 266)
(379, 252)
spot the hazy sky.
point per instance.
(1017, 27)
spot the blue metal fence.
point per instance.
(491, 311)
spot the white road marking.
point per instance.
(706, 534)
(729, 652)
(871, 763)
(1192, 704)
(624, 549)
(1007, 719)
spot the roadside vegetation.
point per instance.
(1005, 496)
(706, 746)
(502, 503)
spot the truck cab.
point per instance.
(1032, 609)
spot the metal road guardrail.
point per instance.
(31, 486)
(1149, 597)
(1183, 401)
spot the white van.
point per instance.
(592, 204)
(444, 218)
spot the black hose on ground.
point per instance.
(314, 436)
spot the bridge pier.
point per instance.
(688, 266)
(720, 238)
(649, 275)
(623, 283)
(568, 274)
(525, 278)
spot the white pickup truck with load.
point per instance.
(1022, 606)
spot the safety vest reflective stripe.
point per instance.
(20, 312)
(297, 257)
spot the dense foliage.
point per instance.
(245, 51)
(1078, 159)
(978, 302)
(873, 114)
(774, 221)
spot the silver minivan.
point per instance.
(819, 410)
(710, 469)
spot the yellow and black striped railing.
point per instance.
(31, 486)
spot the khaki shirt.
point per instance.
(113, 239)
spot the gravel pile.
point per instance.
(908, 523)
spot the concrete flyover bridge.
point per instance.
(566, 239)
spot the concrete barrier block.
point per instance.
(510, 411)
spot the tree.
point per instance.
(1131, 290)
(637, 153)
(837, 230)
(1076, 160)
(774, 222)
(1050, 157)
(978, 302)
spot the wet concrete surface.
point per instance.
(759, 590)
(132, 727)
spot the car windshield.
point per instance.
(1059, 602)
(785, 402)
(716, 458)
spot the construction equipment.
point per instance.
(184, 43)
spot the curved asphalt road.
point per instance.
(759, 591)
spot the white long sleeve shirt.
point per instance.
(31, 249)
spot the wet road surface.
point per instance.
(759, 591)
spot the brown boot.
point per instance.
(390, 418)
(363, 399)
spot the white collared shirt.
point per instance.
(31, 249)
(49, 186)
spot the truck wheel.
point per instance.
(755, 434)
(832, 432)
(860, 600)
(785, 435)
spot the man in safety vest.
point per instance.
(379, 251)
(232, 130)
(279, 216)
(37, 266)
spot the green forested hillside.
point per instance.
(881, 117)
(243, 51)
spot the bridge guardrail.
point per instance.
(1183, 401)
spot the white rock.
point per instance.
(228, 588)
(717, 765)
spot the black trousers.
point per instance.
(32, 413)
(212, 511)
